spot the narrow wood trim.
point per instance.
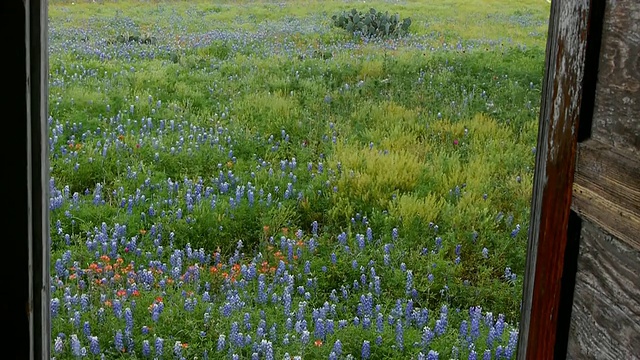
(606, 190)
(564, 82)
(37, 67)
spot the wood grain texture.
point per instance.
(605, 319)
(617, 103)
(553, 180)
(606, 190)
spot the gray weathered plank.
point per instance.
(606, 190)
(605, 319)
(616, 118)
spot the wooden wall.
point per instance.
(605, 317)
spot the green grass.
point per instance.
(432, 136)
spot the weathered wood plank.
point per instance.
(606, 190)
(617, 104)
(551, 203)
(605, 319)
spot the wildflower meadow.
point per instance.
(246, 180)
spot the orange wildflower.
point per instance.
(318, 343)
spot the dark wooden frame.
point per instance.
(569, 87)
(25, 180)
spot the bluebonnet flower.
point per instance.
(427, 336)
(221, 342)
(76, 319)
(119, 341)
(342, 238)
(159, 346)
(511, 346)
(500, 325)
(515, 231)
(366, 349)
(463, 330)
(86, 329)
(146, 348)
(409, 283)
(509, 276)
(268, 350)
(337, 348)
(380, 323)
(58, 345)
(319, 331)
(94, 345)
(75, 345)
(177, 349)
(399, 335)
(128, 317)
(304, 338)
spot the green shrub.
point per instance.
(372, 23)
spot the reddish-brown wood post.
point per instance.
(549, 273)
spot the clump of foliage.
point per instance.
(372, 23)
(135, 37)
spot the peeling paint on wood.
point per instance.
(555, 161)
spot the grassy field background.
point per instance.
(244, 180)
